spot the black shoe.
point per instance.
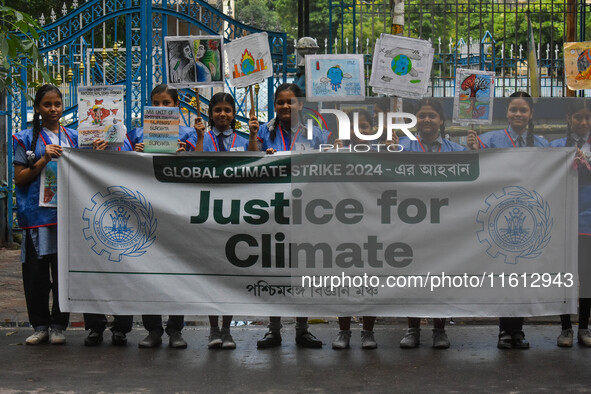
(271, 339)
(119, 338)
(176, 341)
(519, 341)
(308, 340)
(94, 338)
(505, 340)
(153, 339)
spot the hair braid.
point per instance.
(570, 141)
(36, 132)
(530, 133)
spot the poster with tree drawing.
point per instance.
(401, 66)
(193, 61)
(474, 95)
(335, 77)
(577, 65)
(48, 187)
(249, 59)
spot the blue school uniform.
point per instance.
(439, 145)
(211, 141)
(295, 139)
(584, 184)
(508, 138)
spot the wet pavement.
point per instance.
(472, 364)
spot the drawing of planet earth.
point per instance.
(247, 66)
(401, 65)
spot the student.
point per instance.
(162, 96)
(33, 150)
(519, 133)
(343, 338)
(578, 134)
(430, 132)
(286, 132)
(222, 138)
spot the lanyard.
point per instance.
(215, 143)
(59, 137)
(511, 139)
(292, 140)
(423, 148)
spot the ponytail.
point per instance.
(36, 132)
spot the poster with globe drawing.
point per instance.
(335, 78)
(249, 59)
(194, 61)
(577, 65)
(401, 66)
(474, 94)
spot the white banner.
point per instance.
(491, 233)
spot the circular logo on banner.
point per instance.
(516, 224)
(120, 223)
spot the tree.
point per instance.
(258, 13)
(18, 48)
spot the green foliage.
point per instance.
(258, 13)
(18, 47)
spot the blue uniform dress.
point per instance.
(290, 140)
(232, 141)
(439, 145)
(584, 252)
(508, 138)
(39, 224)
(136, 135)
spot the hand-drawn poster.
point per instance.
(401, 66)
(335, 77)
(161, 129)
(474, 94)
(577, 65)
(101, 115)
(194, 61)
(48, 187)
(249, 59)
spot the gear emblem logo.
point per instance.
(516, 224)
(119, 223)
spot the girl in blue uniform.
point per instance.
(222, 138)
(579, 135)
(519, 133)
(34, 149)
(430, 131)
(286, 132)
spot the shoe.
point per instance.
(440, 339)
(519, 341)
(367, 340)
(153, 339)
(215, 339)
(342, 341)
(176, 341)
(227, 340)
(584, 337)
(271, 339)
(38, 337)
(118, 339)
(565, 339)
(411, 339)
(94, 338)
(56, 336)
(308, 340)
(505, 340)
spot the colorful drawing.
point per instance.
(335, 78)
(101, 110)
(401, 66)
(161, 129)
(194, 61)
(249, 59)
(577, 65)
(474, 96)
(48, 188)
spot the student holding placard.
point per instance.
(223, 138)
(519, 133)
(287, 133)
(161, 96)
(35, 179)
(579, 135)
